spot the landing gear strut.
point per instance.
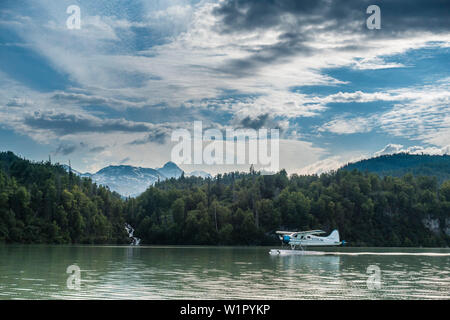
(293, 246)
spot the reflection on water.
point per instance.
(308, 264)
(111, 272)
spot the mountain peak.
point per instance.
(129, 180)
(170, 170)
(170, 165)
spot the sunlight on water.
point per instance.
(109, 272)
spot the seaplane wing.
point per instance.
(311, 232)
(284, 232)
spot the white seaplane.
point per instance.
(311, 238)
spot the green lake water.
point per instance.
(164, 272)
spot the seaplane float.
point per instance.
(302, 239)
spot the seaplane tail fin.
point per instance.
(334, 236)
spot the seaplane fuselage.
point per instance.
(309, 238)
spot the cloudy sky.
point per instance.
(113, 91)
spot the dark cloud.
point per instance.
(301, 21)
(161, 133)
(289, 45)
(97, 149)
(157, 134)
(65, 149)
(124, 160)
(398, 15)
(238, 15)
(93, 100)
(260, 121)
(256, 123)
(80, 98)
(163, 113)
(63, 123)
(18, 102)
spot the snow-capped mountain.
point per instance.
(170, 170)
(131, 181)
(127, 180)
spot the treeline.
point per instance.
(247, 209)
(42, 203)
(399, 164)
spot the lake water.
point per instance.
(152, 272)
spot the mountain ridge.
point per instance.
(41, 202)
(131, 181)
(399, 164)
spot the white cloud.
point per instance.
(389, 149)
(322, 166)
(293, 155)
(331, 163)
(420, 113)
(189, 68)
(347, 126)
(398, 148)
(375, 64)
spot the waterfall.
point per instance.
(130, 230)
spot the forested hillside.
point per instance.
(42, 203)
(397, 165)
(248, 208)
